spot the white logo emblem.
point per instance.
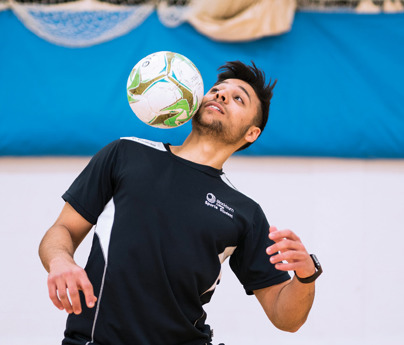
(211, 198)
(215, 203)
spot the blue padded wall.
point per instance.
(339, 94)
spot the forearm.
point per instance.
(288, 304)
(56, 244)
(65, 278)
(293, 305)
(56, 251)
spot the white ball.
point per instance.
(165, 89)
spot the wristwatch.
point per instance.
(316, 274)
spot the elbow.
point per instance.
(291, 327)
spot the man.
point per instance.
(166, 218)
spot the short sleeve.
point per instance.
(94, 187)
(250, 261)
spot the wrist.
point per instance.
(317, 272)
(60, 259)
(306, 273)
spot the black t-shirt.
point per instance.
(164, 226)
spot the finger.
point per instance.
(285, 266)
(279, 235)
(301, 268)
(88, 290)
(289, 266)
(289, 257)
(74, 295)
(53, 295)
(285, 245)
(272, 229)
(63, 297)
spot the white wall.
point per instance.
(350, 213)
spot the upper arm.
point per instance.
(268, 296)
(77, 226)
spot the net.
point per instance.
(80, 23)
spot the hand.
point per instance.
(289, 248)
(66, 278)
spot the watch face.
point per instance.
(315, 260)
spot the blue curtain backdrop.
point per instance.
(339, 94)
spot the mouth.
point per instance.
(215, 106)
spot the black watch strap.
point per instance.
(313, 277)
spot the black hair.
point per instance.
(256, 79)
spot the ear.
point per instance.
(252, 134)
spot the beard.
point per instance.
(217, 130)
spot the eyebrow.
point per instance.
(239, 86)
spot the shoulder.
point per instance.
(247, 208)
(243, 196)
(143, 143)
(127, 149)
(128, 146)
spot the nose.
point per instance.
(222, 95)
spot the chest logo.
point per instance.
(215, 203)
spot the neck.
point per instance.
(203, 150)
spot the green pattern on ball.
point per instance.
(170, 118)
(169, 71)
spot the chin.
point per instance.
(207, 124)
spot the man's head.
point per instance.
(249, 111)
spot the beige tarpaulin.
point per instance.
(240, 20)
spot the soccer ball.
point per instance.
(165, 89)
